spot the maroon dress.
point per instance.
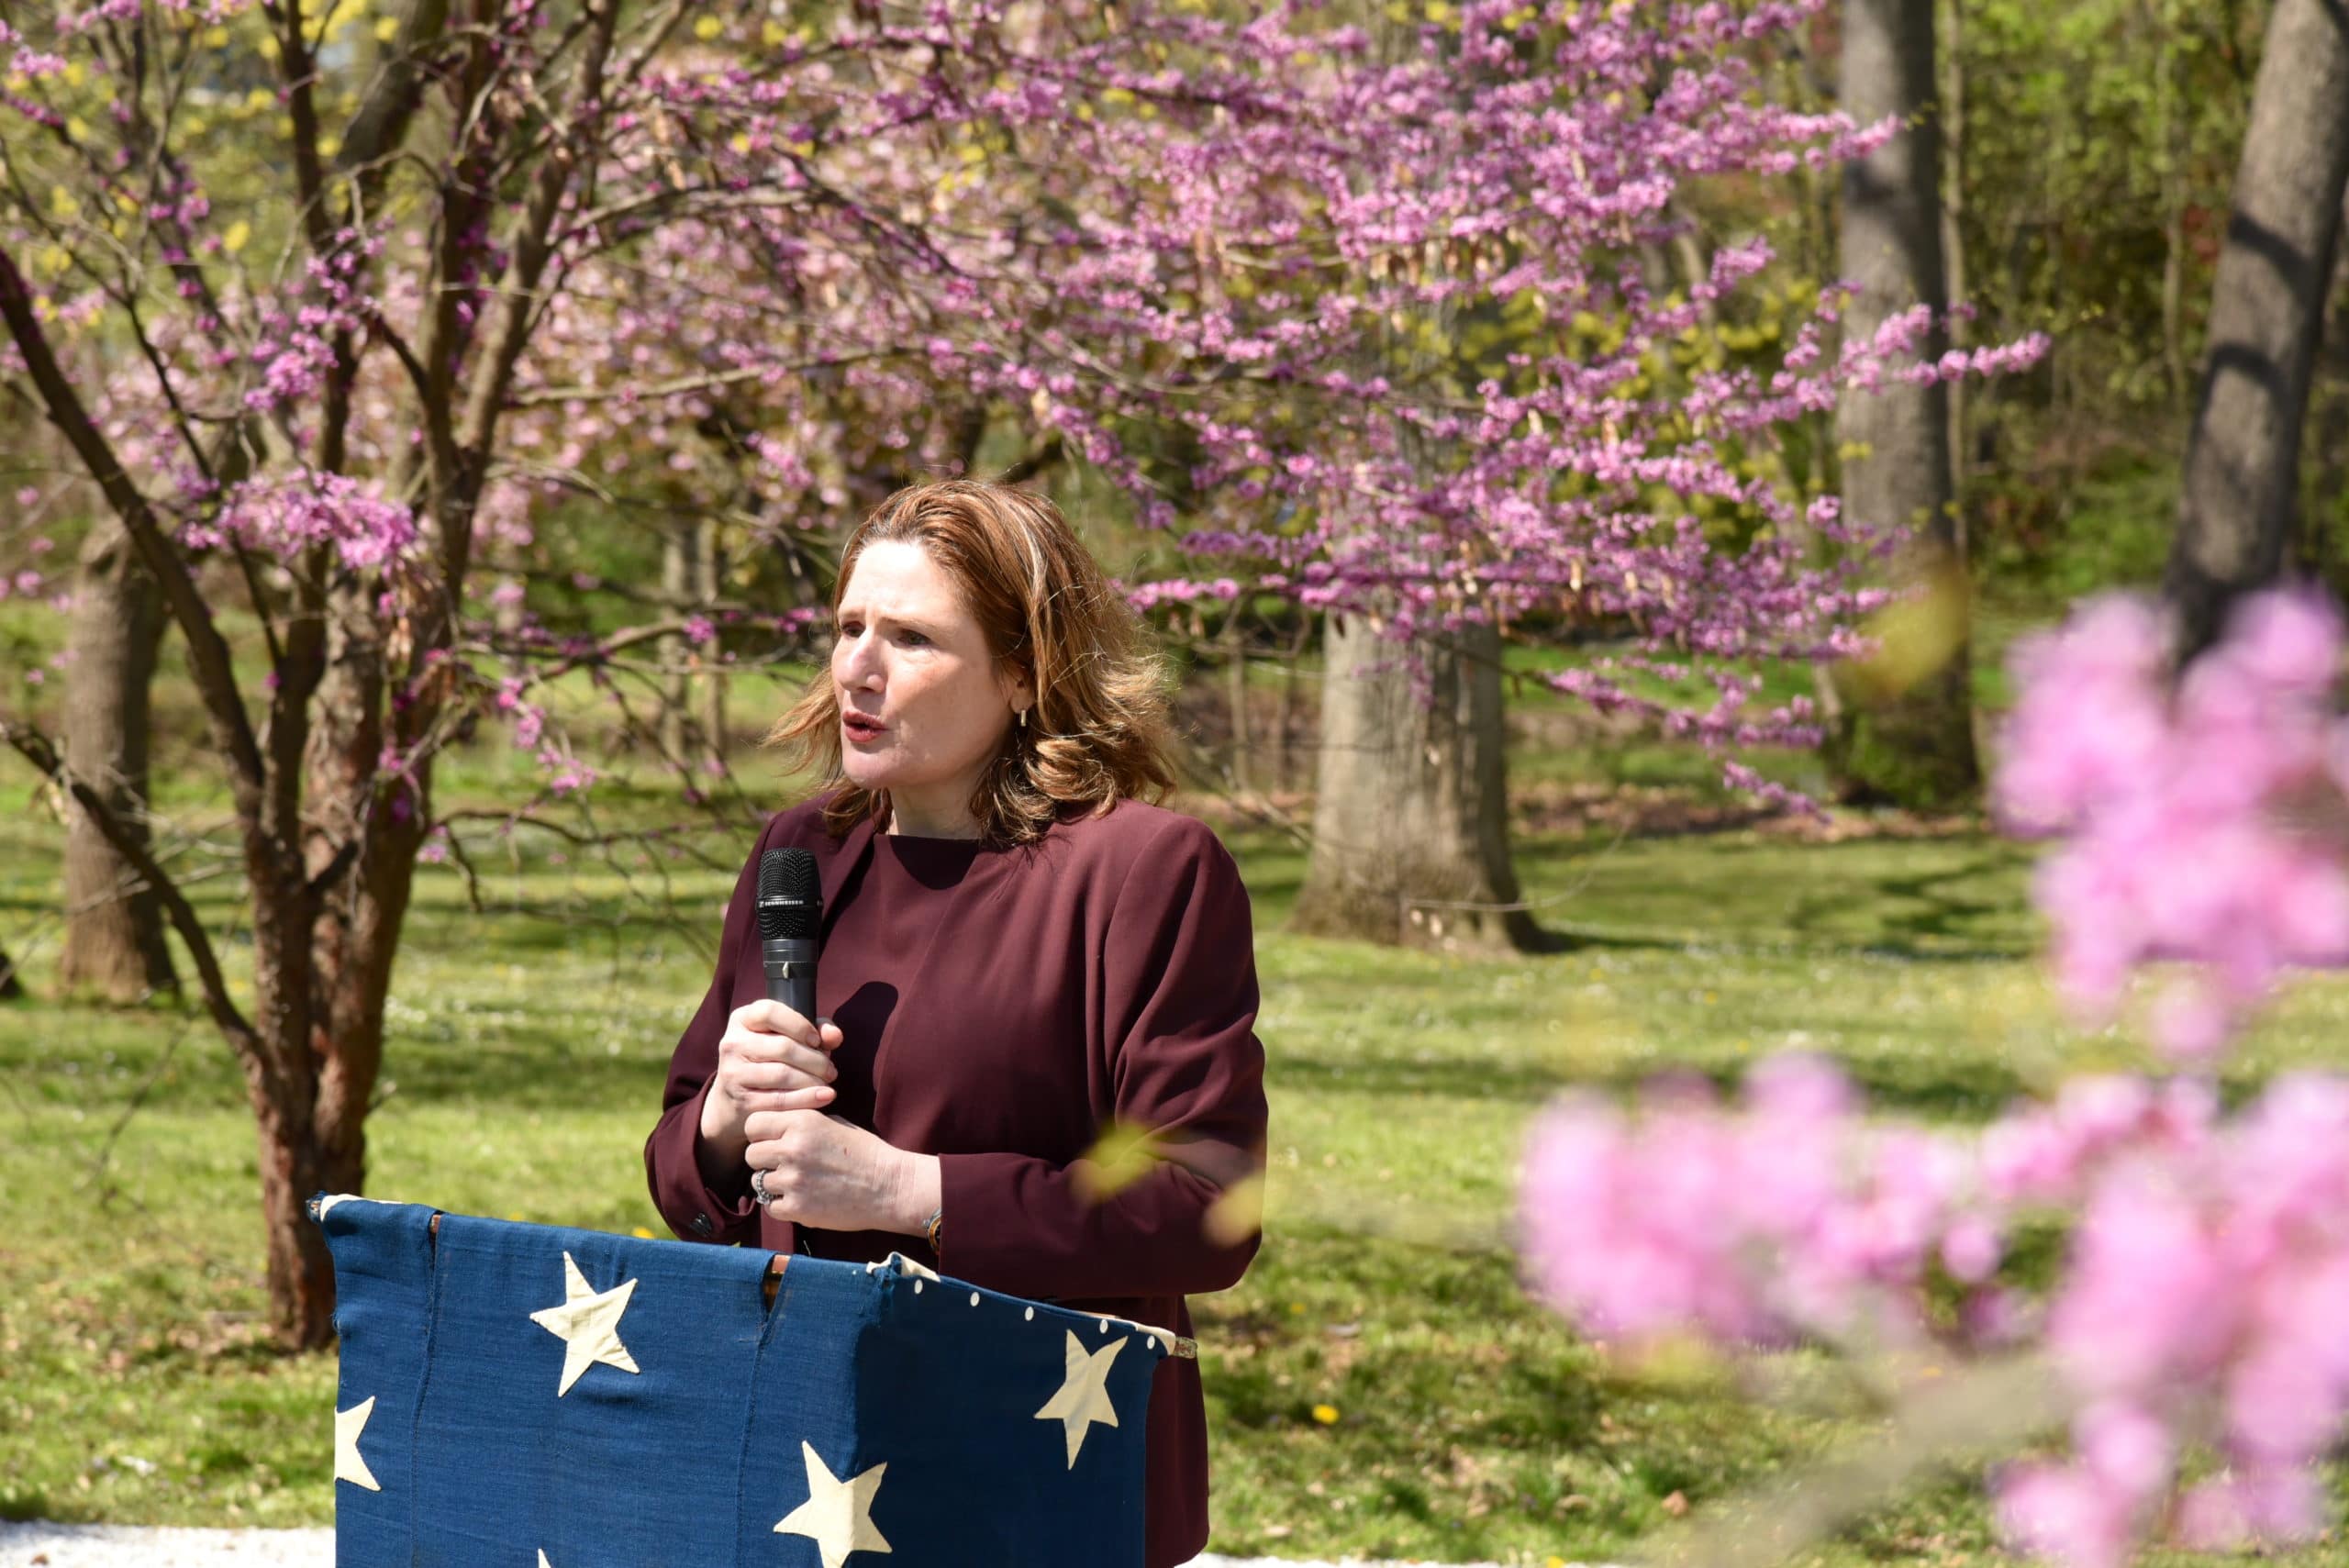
(1001, 1008)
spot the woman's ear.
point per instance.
(1018, 687)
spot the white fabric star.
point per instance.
(837, 1515)
(588, 1324)
(542, 1559)
(1083, 1397)
(348, 1465)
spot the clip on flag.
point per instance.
(525, 1395)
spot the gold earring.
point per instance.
(1021, 713)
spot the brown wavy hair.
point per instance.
(1099, 732)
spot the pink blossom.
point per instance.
(1787, 1217)
(284, 515)
(2176, 813)
(2063, 1513)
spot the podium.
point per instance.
(541, 1397)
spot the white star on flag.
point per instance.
(588, 1324)
(1083, 1397)
(348, 1465)
(837, 1515)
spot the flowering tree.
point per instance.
(1480, 413)
(338, 385)
(2199, 1308)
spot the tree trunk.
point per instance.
(1410, 824)
(1913, 743)
(280, 1084)
(114, 923)
(362, 913)
(1287, 712)
(300, 1270)
(676, 595)
(1235, 694)
(2238, 503)
(2330, 393)
(710, 585)
(1951, 20)
(2168, 137)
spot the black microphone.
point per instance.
(791, 915)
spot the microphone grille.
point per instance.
(791, 904)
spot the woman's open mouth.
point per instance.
(857, 726)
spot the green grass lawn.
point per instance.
(1378, 1385)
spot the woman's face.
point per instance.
(923, 703)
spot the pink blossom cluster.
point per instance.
(1787, 1215)
(2203, 1305)
(296, 349)
(566, 773)
(2187, 815)
(1148, 596)
(73, 20)
(2205, 1301)
(283, 515)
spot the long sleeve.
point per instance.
(693, 1208)
(1178, 1009)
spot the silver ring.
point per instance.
(759, 1187)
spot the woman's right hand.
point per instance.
(770, 1058)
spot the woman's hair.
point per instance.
(1098, 732)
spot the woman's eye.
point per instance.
(916, 638)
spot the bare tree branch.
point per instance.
(687, 385)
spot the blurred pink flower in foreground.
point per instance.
(2177, 811)
(1791, 1216)
(2204, 1300)
(2202, 1309)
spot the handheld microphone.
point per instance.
(791, 915)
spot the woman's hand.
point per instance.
(770, 1058)
(833, 1174)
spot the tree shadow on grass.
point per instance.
(527, 1076)
(1942, 902)
(1936, 1091)
(1931, 1087)
(1378, 1075)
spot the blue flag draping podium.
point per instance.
(526, 1395)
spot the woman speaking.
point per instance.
(1020, 956)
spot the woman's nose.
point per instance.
(860, 662)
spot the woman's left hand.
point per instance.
(833, 1174)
